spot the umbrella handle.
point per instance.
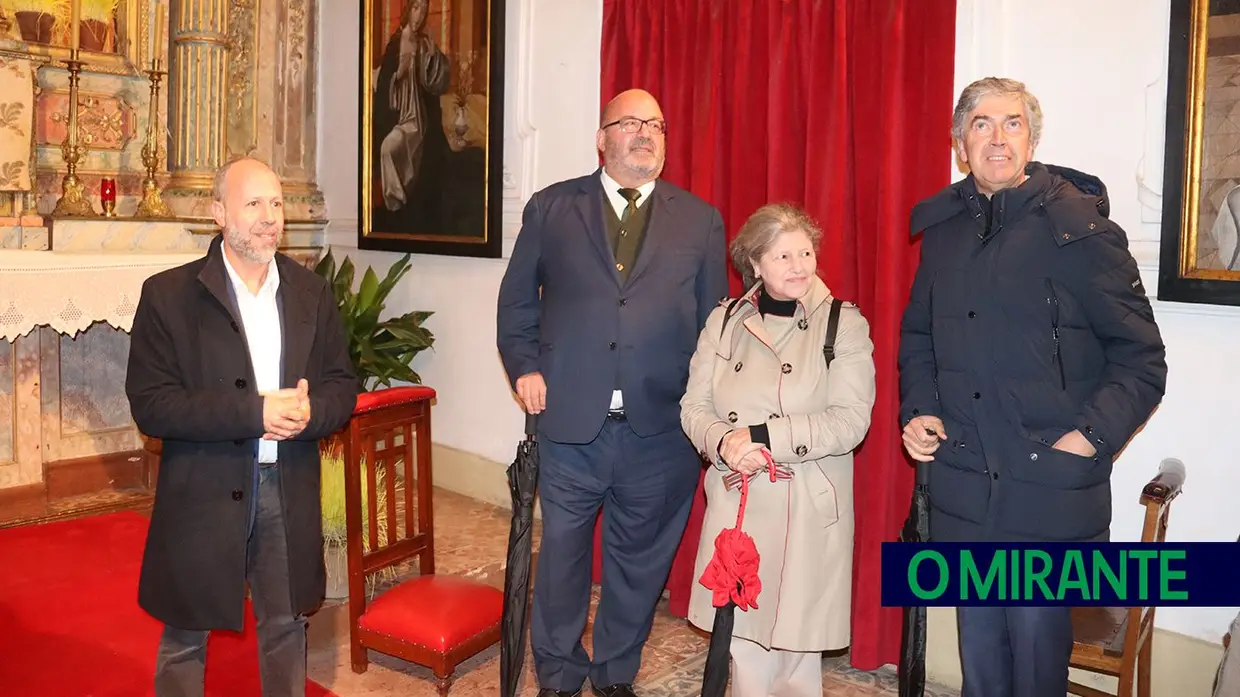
(923, 473)
(740, 510)
(531, 426)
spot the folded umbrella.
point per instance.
(732, 576)
(522, 485)
(912, 668)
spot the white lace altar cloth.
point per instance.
(69, 291)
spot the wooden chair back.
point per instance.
(1118, 641)
(388, 443)
(430, 619)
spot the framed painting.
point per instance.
(1199, 259)
(431, 142)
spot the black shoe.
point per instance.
(617, 690)
(548, 692)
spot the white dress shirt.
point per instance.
(619, 203)
(260, 317)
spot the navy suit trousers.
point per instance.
(1014, 651)
(645, 488)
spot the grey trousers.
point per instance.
(180, 667)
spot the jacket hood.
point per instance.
(1085, 185)
(1056, 183)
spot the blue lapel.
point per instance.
(589, 205)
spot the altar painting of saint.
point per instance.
(433, 139)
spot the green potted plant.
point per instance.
(335, 530)
(382, 350)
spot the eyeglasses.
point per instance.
(630, 124)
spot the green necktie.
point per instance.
(625, 249)
(630, 195)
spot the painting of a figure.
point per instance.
(1219, 209)
(432, 126)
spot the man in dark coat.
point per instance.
(239, 363)
(1029, 357)
(610, 283)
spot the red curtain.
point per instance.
(843, 107)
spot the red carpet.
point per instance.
(70, 625)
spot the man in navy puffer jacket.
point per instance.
(1029, 357)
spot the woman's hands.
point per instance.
(740, 453)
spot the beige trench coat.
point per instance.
(772, 370)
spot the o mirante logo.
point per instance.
(1069, 574)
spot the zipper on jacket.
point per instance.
(994, 221)
(1058, 354)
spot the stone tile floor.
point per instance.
(471, 539)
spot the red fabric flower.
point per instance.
(732, 573)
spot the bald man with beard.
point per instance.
(238, 361)
(610, 283)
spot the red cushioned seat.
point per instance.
(391, 396)
(439, 613)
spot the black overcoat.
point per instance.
(190, 382)
(1026, 322)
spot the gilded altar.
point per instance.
(238, 78)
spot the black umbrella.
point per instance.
(912, 669)
(732, 577)
(715, 672)
(522, 484)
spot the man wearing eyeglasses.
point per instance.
(610, 283)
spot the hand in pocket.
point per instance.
(1076, 443)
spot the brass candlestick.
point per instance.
(72, 202)
(152, 205)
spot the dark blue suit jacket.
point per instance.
(586, 327)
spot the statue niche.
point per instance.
(47, 22)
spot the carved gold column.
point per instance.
(273, 72)
(197, 84)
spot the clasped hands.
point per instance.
(744, 457)
(286, 412)
(923, 434)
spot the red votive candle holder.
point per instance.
(107, 195)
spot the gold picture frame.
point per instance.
(1199, 259)
(432, 128)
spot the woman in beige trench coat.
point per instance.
(759, 380)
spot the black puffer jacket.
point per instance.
(1027, 319)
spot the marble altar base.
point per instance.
(124, 235)
(29, 237)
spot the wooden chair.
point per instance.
(433, 620)
(1118, 641)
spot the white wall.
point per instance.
(551, 100)
(1098, 68)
